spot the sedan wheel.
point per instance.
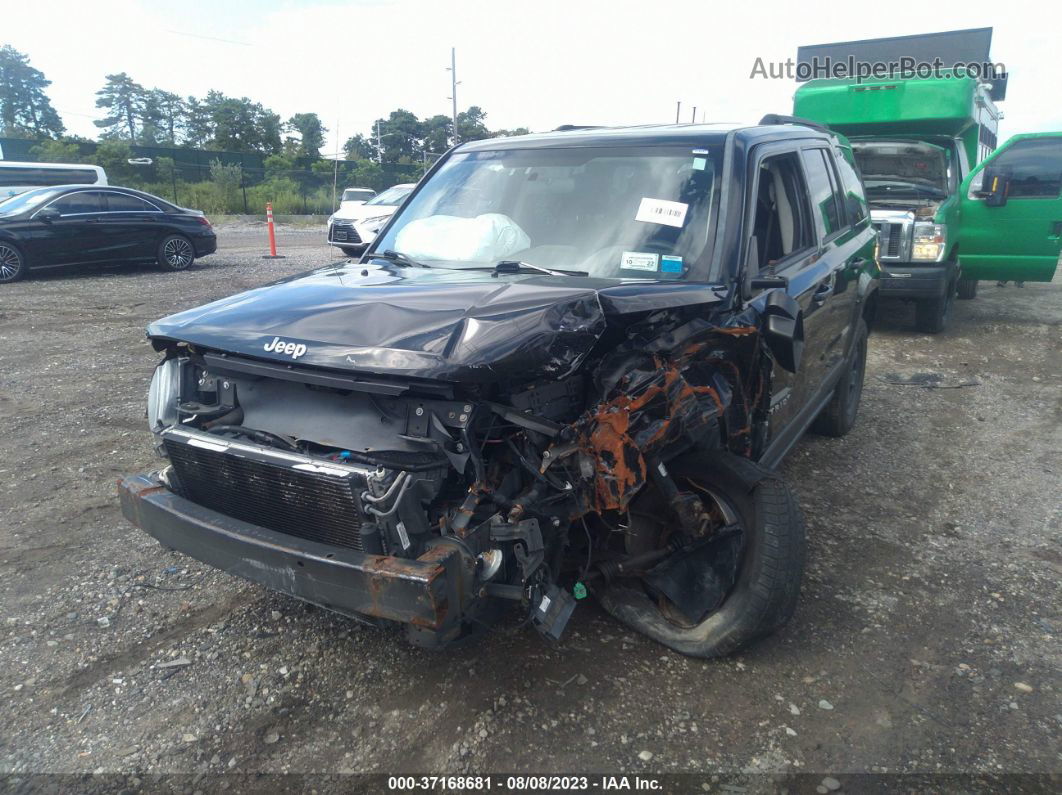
(176, 253)
(12, 266)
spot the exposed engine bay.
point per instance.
(533, 486)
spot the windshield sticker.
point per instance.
(661, 211)
(699, 163)
(639, 261)
(670, 264)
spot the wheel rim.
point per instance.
(177, 252)
(10, 263)
(656, 524)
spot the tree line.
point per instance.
(151, 116)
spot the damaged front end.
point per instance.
(436, 500)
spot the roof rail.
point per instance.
(570, 127)
(777, 118)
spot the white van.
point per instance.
(18, 177)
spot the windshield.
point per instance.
(903, 169)
(357, 194)
(392, 196)
(608, 212)
(25, 201)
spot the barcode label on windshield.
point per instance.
(661, 211)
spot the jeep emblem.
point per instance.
(292, 349)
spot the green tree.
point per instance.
(401, 136)
(113, 155)
(358, 147)
(311, 133)
(165, 112)
(438, 134)
(240, 125)
(510, 133)
(472, 124)
(123, 99)
(196, 126)
(25, 110)
(228, 179)
(57, 152)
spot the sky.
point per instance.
(536, 64)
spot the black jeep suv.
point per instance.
(567, 366)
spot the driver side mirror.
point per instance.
(783, 329)
(995, 185)
(48, 214)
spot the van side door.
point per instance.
(1011, 211)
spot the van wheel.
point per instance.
(839, 415)
(967, 289)
(175, 253)
(932, 314)
(12, 263)
(761, 560)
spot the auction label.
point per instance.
(531, 783)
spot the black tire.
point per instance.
(967, 289)
(932, 314)
(175, 253)
(839, 415)
(12, 263)
(764, 595)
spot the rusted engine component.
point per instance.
(663, 397)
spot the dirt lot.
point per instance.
(927, 638)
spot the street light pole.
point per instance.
(453, 89)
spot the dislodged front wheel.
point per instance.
(716, 598)
(12, 265)
(176, 253)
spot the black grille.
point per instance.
(312, 505)
(344, 232)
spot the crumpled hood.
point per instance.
(444, 324)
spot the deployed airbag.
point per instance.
(485, 238)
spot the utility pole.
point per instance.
(379, 151)
(453, 89)
(678, 110)
(693, 118)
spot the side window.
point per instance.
(855, 198)
(821, 187)
(782, 220)
(1034, 166)
(86, 201)
(121, 203)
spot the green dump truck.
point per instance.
(950, 208)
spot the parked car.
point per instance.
(352, 227)
(72, 224)
(568, 366)
(353, 196)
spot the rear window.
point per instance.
(120, 202)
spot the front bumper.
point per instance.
(906, 280)
(430, 593)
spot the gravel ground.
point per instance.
(926, 639)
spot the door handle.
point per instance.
(1056, 230)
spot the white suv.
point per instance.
(353, 226)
